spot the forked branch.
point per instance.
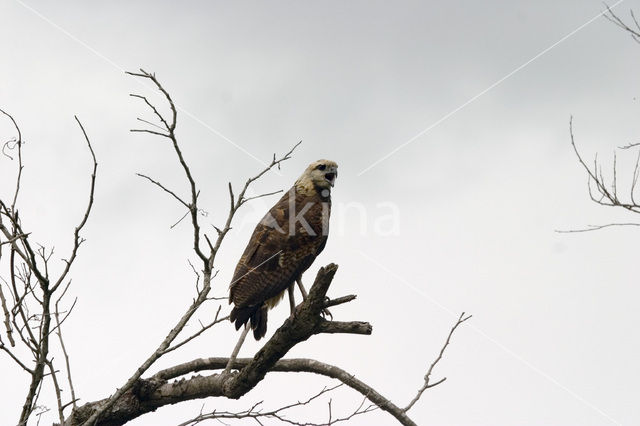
(603, 193)
(98, 412)
(161, 389)
(427, 377)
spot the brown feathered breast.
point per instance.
(283, 245)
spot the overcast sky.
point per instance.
(449, 122)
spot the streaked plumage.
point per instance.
(284, 245)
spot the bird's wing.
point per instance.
(260, 273)
(275, 257)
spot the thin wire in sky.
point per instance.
(424, 294)
(477, 96)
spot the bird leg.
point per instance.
(302, 290)
(325, 311)
(234, 354)
(292, 301)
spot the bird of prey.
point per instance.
(284, 245)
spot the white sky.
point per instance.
(479, 195)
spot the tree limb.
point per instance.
(427, 377)
(147, 395)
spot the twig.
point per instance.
(76, 233)
(18, 144)
(635, 34)
(150, 123)
(266, 194)
(15, 359)
(605, 196)
(64, 348)
(594, 228)
(255, 413)
(427, 376)
(56, 387)
(630, 145)
(237, 347)
(202, 330)
(149, 104)
(171, 126)
(7, 318)
(164, 189)
(180, 220)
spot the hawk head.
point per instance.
(319, 175)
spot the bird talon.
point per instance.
(326, 313)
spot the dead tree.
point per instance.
(605, 191)
(29, 287)
(31, 297)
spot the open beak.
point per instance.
(331, 177)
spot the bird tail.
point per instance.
(256, 314)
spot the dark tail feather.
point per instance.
(240, 316)
(259, 322)
(256, 314)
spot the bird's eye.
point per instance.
(321, 167)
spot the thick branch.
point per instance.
(351, 327)
(300, 365)
(103, 410)
(339, 300)
(146, 395)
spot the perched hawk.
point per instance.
(283, 245)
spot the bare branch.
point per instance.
(76, 234)
(152, 132)
(604, 195)
(427, 376)
(14, 239)
(171, 126)
(630, 145)
(150, 105)
(56, 387)
(255, 413)
(151, 124)
(339, 300)
(236, 203)
(7, 318)
(595, 227)
(204, 328)
(110, 402)
(156, 391)
(261, 196)
(106, 405)
(164, 189)
(292, 365)
(340, 327)
(633, 32)
(63, 346)
(15, 358)
(634, 180)
(18, 144)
